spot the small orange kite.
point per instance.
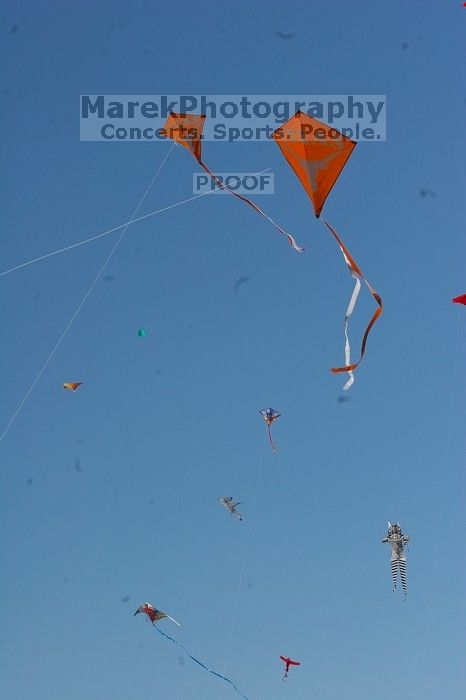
(72, 386)
(186, 130)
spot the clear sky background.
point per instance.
(109, 494)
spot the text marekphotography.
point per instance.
(228, 117)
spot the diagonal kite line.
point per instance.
(133, 220)
(81, 304)
(84, 299)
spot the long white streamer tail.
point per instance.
(173, 620)
(349, 311)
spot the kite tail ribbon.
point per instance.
(269, 431)
(222, 186)
(193, 658)
(357, 276)
(349, 311)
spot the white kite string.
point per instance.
(84, 299)
(240, 580)
(112, 230)
(105, 519)
(104, 233)
(124, 431)
(446, 457)
(276, 677)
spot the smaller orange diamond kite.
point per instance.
(72, 386)
(186, 130)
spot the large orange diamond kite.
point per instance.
(316, 152)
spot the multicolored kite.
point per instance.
(72, 386)
(288, 662)
(153, 614)
(317, 154)
(270, 415)
(186, 130)
(460, 300)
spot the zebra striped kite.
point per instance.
(397, 540)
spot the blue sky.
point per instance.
(166, 424)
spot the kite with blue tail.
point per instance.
(155, 615)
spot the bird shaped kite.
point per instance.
(153, 614)
(317, 154)
(72, 386)
(288, 662)
(186, 130)
(460, 300)
(397, 540)
(227, 501)
(270, 415)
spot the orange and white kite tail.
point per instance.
(221, 185)
(358, 277)
(349, 311)
(293, 243)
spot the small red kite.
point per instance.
(460, 300)
(288, 662)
